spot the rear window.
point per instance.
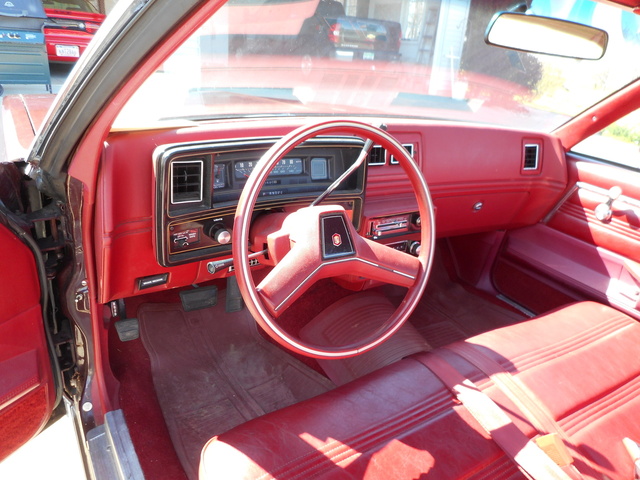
(22, 8)
(72, 5)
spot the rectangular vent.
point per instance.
(408, 147)
(186, 181)
(377, 156)
(530, 161)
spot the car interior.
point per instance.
(516, 238)
(294, 265)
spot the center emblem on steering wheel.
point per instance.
(336, 239)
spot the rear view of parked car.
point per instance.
(313, 28)
(23, 57)
(332, 33)
(70, 27)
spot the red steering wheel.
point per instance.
(320, 242)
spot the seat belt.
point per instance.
(531, 460)
(528, 404)
(633, 449)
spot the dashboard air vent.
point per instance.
(377, 156)
(530, 161)
(408, 147)
(186, 181)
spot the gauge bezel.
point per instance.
(295, 188)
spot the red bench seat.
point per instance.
(582, 363)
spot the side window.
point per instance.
(618, 143)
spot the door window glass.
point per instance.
(619, 142)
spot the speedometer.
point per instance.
(286, 166)
(243, 169)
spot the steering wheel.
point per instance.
(320, 241)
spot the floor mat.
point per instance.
(448, 312)
(212, 370)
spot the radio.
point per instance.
(393, 225)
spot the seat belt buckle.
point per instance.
(633, 449)
(555, 448)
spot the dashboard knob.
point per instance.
(222, 236)
(220, 233)
(414, 248)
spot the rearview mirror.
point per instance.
(550, 36)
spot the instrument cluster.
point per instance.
(198, 186)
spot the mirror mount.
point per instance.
(519, 8)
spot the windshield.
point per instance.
(409, 58)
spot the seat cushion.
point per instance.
(582, 362)
(400, 422)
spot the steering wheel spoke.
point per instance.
(289, 279)
(320, 238)
(376, 261)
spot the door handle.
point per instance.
(603, 211)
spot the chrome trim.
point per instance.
(113, 456)
(409, 147)
(524, 156)
(171, 177)
(516, 305)
(384, 157)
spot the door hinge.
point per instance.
(82, 298)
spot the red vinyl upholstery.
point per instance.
(400, 422)
(26, 383)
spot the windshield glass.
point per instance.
(410, 58)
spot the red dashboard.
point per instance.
(481, 179)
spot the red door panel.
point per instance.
(576, 217)
(27, 389)
(579, 254)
